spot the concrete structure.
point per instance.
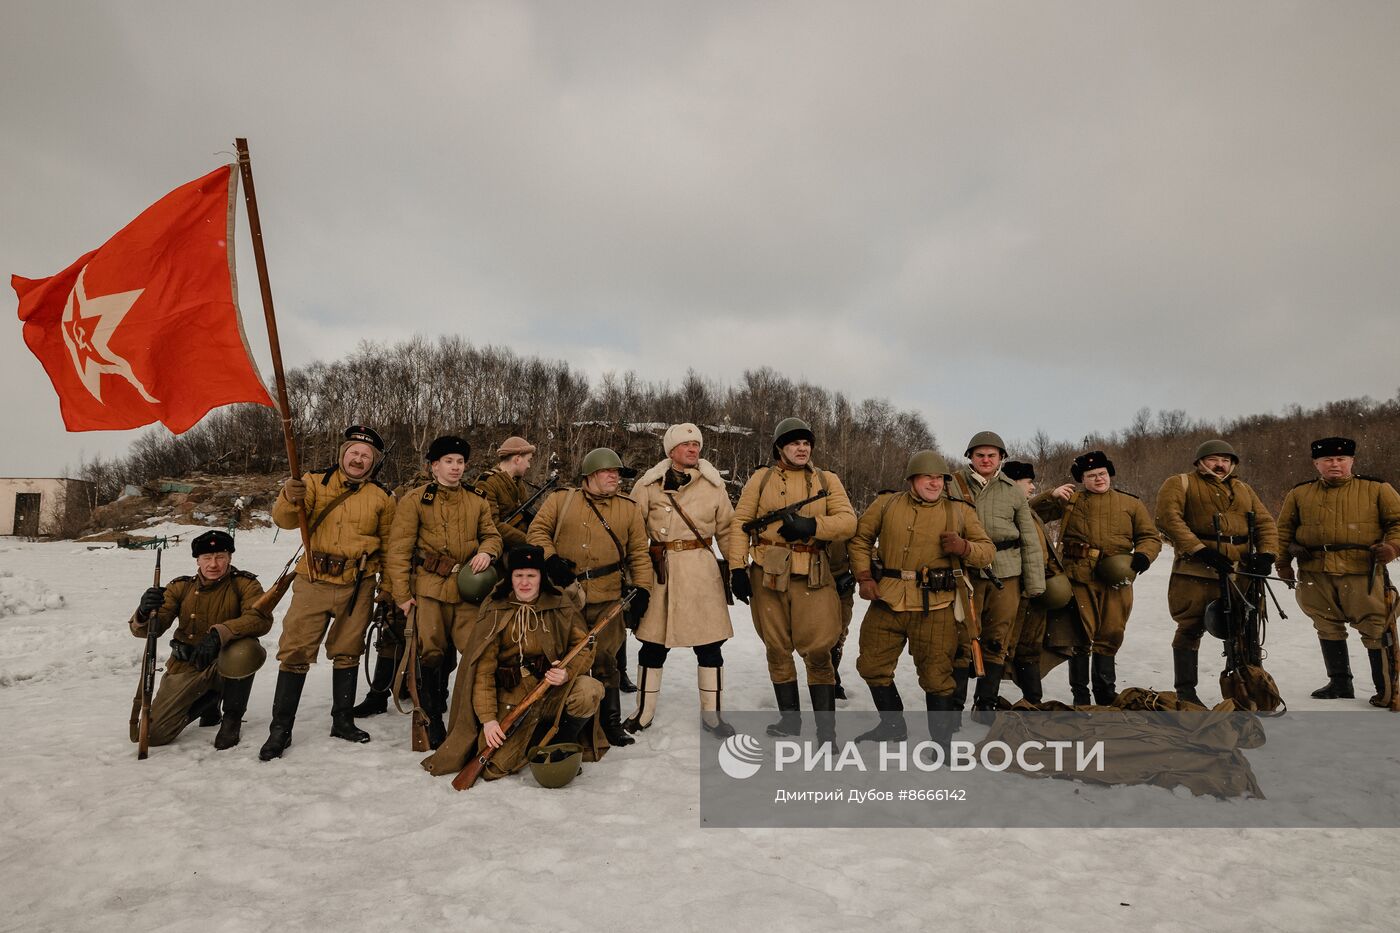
(33, 507)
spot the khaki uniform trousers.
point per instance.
(1334, 600)
(609, 640)
(996, 610)
(177, 693)
(440, 624)
(318, 612)
(580, 698)
(1028, 634)
(804, 620)
(933, 637)
(1104, 610)
(1187, 598)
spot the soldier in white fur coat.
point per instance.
(685, 508)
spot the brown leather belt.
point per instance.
(938, 579)
(694, 544)
(1208, 537)
(603, 571)
(795, 548)
(441, 564)
(1008, 545)
(1077, 551)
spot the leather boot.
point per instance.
(376, 701)
(570, 728)
(624, 683)
(1338, 662)
(1380, 675)
(941, 725)
(236, 693)
(432, 693)
(205, 709)
(710, 680)
(836, 666)
(1079, 679)
(891, 727)
(342, 704)
(1028, 679)
(790, 722)
(610, 715)
(1105, 679)
(986, 700)
(1186, 668)
(824, 711)
(285, 700)
(210, 716)
(649, 686)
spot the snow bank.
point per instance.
(21, 596)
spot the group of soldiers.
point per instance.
(957, 566)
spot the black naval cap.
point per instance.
(212, 542)
(1333, 447)
(360, 434)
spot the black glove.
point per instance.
(206, 651)
(845, 584)
(1140, 563)
(797, 527)
(1211, 558)
(1259, 563)
(560, 570)
(739, 585)
(151, 600)
(1298, 551)
(641, 598)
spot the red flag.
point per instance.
(146, 327)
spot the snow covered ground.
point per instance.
(336, 836)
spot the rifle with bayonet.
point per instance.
(146, 688)
(469, 774)
(753, 526)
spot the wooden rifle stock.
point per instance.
(146, 689)
(468, 775)
(407, 675)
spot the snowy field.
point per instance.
(345, 837)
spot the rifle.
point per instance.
(753, 526)
(409, 671)
(524, 507)
(469, 774)
(1390, 642)
(146, 687)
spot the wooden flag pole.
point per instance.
(250, 200)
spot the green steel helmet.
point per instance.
(1115, 570)
(792, 429)
(1057, 593)
(473, 586)
(985, 439)
(928, 462)
(1216, 448)
(555, 765)
(599, 458)
(1216, 620)
(241, 658)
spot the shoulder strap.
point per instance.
(1184, 480)
(964, 486)
(685, 518)
(621, 555)
(345, 494)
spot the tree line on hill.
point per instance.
(417, 389)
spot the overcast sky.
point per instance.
(1007, 216)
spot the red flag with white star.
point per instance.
(146, 328)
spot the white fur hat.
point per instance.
(679, 434)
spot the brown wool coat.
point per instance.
(1359, 511)
(358, 525)
(566, 526)
(226, 606)
(486, 647)
(1186, 504)
(1112, 522)
(457, 522)
(903, 532)
(836, 520)
(689, 608)
(504, 493)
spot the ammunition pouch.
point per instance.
(508, 678)
(795, 548)
(933, 579)
(1075, 550)
(442, 565)
(327, 565)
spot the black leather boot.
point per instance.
(824, 711)
(236, 693)
(376, 701)
(790, 723)
(891, 727)
(986, 699)
(210, 715)
(285, 700)
(1338, 662)
(1380, 675)
(941, 724)
(1028, 679)
(342, 706)
(1105, 679)
(1079, 678)
(624, 683)
(570, 728)
(1186, 667)
(610, 715)
(836, 654)
(436, 694)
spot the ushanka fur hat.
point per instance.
(1333, 447)
(1090, 461)
(679, 434)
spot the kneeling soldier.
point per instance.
(909, 555)
(523, 631)
(439, 528)
(214, 652)
(349, 516)
(1343, 529)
